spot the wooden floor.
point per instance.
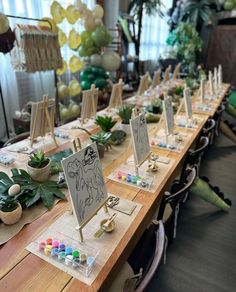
(203, 256)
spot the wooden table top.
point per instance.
(23, 271)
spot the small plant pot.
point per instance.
(125, 128)
(156, 109)
(12, 217)
(39, 174)
(101, 150)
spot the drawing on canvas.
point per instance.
(85, 181)
(140, 138)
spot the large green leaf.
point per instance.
(32, 191)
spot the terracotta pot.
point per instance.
(39, 174)
(125, 128)
(12, 217)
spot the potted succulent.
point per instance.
(157, 106)
(125, 113)
(106, 123)
(38, 166)
(10, 210)
(102, 141)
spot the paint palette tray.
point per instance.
(202, 107)
(66, 253)
(190, 124)
(130, 178)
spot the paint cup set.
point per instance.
(69, 255)
(136, 180)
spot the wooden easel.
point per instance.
(116, 95)
(80, 228)
(76, 144)
(176, 71)
(89, 103)
(156, 78)
(144, 84)
(167, 74)
(42, 117)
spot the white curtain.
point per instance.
(20, 87)
(154, 34)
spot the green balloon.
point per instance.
(83, 51)
(85, 85)
(101, 71)
(95, 70)
(88, 43)
(83, 76)
(91, 77)
(85, 35)
(99, 36)
(88, 70)
(100, 83)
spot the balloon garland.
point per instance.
(88, 45)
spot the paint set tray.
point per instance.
(66, 253)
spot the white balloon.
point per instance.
(89, 24)
(96, 60)
(110, 61)
(98, 21)
(98, 11)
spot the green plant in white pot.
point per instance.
(10, 210)
(38, 166)
(125, 113)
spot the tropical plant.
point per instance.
(106, 123)
(125, 113)
(101, 139)
(187, 44)
(8, 204)
(137, 9)
(31, 191)
(197, 12)
(38, 160)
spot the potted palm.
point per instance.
(102, 141)
(106, 123)
(125, 113)
(10, 210)
(38, 166)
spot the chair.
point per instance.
(171, 203)
(193, 157)
(217, 117)
(209, 130)
(143, 262)
(17, 138)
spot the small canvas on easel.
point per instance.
(42, 119)
(167, 74)
(143, 85)
(156, 78)
(89, 103)
(85, 181)
(168, 115)
(188, 103)
(116, 95)
(176, 71)
(140, 140)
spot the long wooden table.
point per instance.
(23, 271)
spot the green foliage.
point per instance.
(106, 123)
(56, 159)
(31, 191)
(38, 160)
(117, 137)
(101, 138)
(8, 204)
(186, 43)
(125, 113)
(151, 7)
(197, 12)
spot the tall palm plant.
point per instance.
(199, 12)
(137, 8)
